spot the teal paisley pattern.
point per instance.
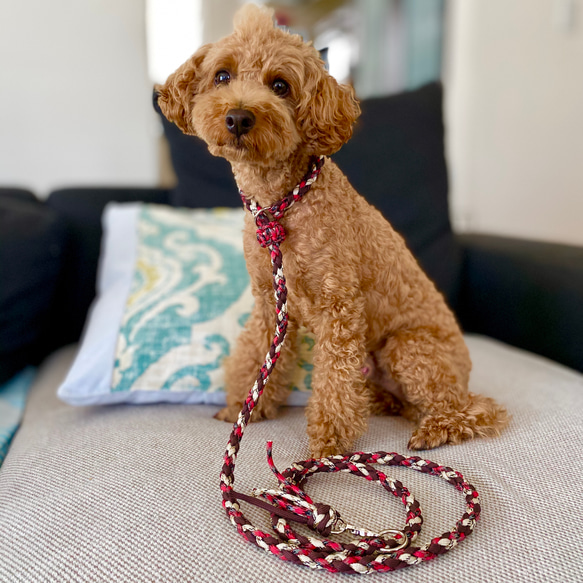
(189, 291)
(189, 298)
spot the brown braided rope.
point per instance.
(386, 551)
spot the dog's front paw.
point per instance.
(229, 413)
(438, 430)
(320, 449)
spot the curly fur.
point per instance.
(386, 342)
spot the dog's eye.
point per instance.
(280, 87)
(222, 77)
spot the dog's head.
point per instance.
(259, 95)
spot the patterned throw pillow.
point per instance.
(12, 402)
(173, 295)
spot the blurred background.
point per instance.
(76, 82)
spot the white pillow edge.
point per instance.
(99, 340)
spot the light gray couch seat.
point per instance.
(131, 493)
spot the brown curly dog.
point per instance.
(386, 342)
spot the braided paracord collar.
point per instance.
(388, 550)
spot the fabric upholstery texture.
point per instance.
(32, 239)
(131, 494)
(80, 209)
(525, 293)
(20, 194)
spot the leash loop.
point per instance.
(388, 550)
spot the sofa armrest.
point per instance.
(526, 293)
(32, 243)
(19, 194)
(81, 210)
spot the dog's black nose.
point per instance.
(239, 121)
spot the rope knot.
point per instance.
(271, 233)
(323, 519)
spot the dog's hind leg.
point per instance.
(433, 371)
(242, 366)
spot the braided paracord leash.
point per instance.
(388, 550)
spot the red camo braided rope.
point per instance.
(386, 551)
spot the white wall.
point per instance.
(75, 99)
(217, 17)
(514, 100)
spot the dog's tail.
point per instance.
(484, 417)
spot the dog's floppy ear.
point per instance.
(176, 95)
(326, 117)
